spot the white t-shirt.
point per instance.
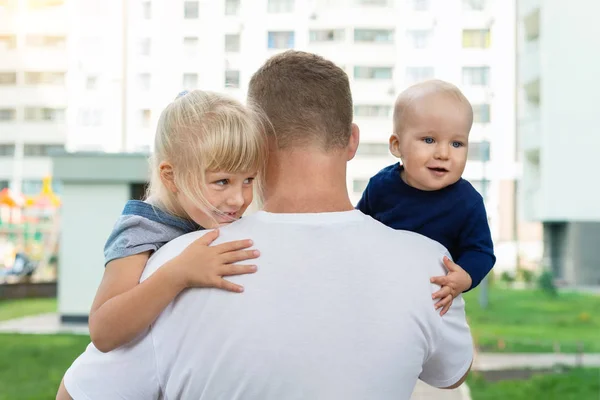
(340, 308)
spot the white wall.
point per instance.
(88, 214)
(570, 117)
(562, 137)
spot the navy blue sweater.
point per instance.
(453, 216)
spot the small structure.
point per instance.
(95, 189)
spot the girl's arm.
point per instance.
(123, 307)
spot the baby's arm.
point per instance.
(475, 258)
(123, 308)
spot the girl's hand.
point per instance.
(202, 265)
(453, 284)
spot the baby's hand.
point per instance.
(453, 284)
(201, 265)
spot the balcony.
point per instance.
(530, 137)
(526, 7)
(529, 62)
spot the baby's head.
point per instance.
(432, 121)
(209, 148)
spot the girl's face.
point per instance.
(230, 194)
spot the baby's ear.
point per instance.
(167, 177)
(395, 146)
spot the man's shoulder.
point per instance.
(404, 239)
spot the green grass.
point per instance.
(530, 321)
(31, 366)
(575, 384)
(10, 309)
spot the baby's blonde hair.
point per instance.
(203, 131)
(405, 103)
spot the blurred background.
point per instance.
(82, 83)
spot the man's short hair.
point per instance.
(307, 99)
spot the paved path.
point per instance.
(497, 361)
(42, 324)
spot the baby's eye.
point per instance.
(428, 140)
(457, 144)
(222, 182)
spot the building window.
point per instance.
(232, 7)
(372, 72)
(8, 78)
(41, 114)
(232, 43)
(418, 74)
(40, 150)
(190, 46)
(7, 150)
(359, 185)
(89, 117)
(45, 78)
(479, 151)
(37, 4)
(8, 42)
(191, 10)
(281, 40)
(91, 82)
(7, 114)
(419, 39)
(144, 46)
(374, 35)
(420, 5)
(373, 149)
(145, 117)
(144, 81)
(190, 81)
(280, 6)
(474, 5)
(481, 113)
(476, 76)
(372, 110)
(146, 9)
(232, 78)
(41, 41)
(372, 2)
(326, 35)
(476, 38)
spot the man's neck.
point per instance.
(306, 182)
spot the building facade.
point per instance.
(558, 130)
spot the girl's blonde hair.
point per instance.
(204, 131)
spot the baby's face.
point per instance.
(433, 144)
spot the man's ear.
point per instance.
(353, 142)
(395, 146)
(165, 170)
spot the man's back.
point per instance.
(340, 308)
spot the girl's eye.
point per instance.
(428, 140)
(457, 144)
(222, 182)
(248, 181)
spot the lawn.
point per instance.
(31, 366)
(574, 384)
(10, 309)
(531, 321)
